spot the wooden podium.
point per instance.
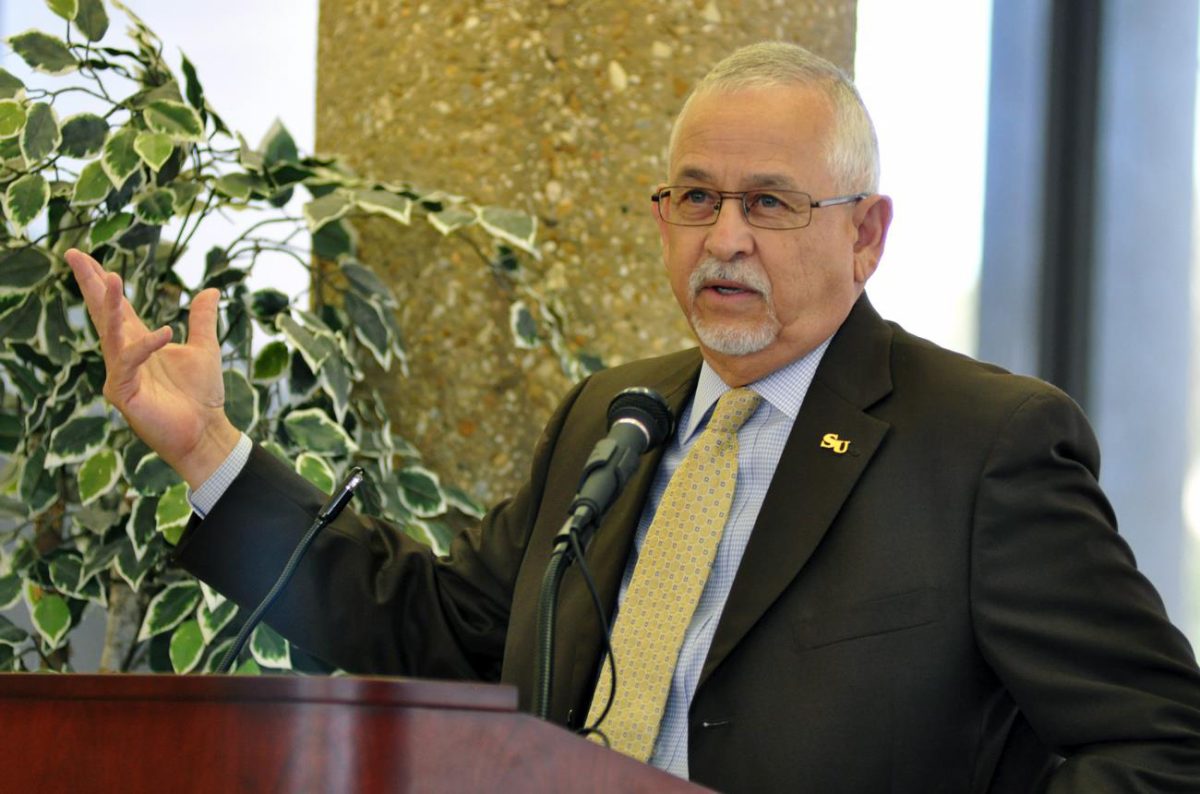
(145, 733)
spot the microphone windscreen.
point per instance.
(647, 407)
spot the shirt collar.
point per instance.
(783, 389)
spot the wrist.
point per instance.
(208, 454)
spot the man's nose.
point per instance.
(731, 236)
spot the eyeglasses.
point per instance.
(686, 205)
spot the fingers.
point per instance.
(202, 318)
(136, 354)
(112, 333)
(90, 277)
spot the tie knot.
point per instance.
(733, 409)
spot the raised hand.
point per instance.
(171, 394)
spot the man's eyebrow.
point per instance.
(781, 181)
(694, 174)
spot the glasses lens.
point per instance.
(689, 205)
(778, 209)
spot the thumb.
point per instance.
(202, 318)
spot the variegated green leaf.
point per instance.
(41, 136)
(92, 186)
(314, 349)
(266, 304)
(216, 654)
(22, 269)
(240, 186)
(92, 19)
(10, 590)
(154, 148)
(523, 326)
(66, 571)
(52, 619)
(10, 86)
(100, 557)
(172, 512)
(241, 400)
(366, 283)
(169, 608)
(187, 647)
(463, 502)
(12, 117)
(420, 491)
(450, 219)
(38, 489)
(516, 228)
(326, 209)
(155, 207)
(119, 158)
(312, 429)
(152, 475)
(43, 52)
(212, 598)
(175, 119)
(278, 146)
(109, 227)
(98, 475)
(314, 469)
(277, 450)
(25, 198)
(398, 208)
(83, 135)
(133, 569)
(185, 194)
(271, 362)
(269, 649)
(55, 335)
(77, 439)
(142, 524)
(67, 9)
(370, 327)
(213, 619)
(337, 380)
(248, 667)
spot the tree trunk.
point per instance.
(120, 632)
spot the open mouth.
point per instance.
(729, 288)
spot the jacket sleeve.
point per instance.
(1078, 636)
(367, 598)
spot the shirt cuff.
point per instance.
(205, 498)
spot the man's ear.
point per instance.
(873, 216)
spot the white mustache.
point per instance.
(715, 270)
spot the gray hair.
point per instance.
(853, 153)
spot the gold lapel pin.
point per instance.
(838, 445)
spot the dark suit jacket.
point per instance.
(945, 607)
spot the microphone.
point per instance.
(638, 421)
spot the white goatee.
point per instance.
(736, 338)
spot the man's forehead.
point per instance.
(755, 179)
(768, 131)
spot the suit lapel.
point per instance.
(811, 481)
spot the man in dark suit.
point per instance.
(918, 587)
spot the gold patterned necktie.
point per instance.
(672, 568)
